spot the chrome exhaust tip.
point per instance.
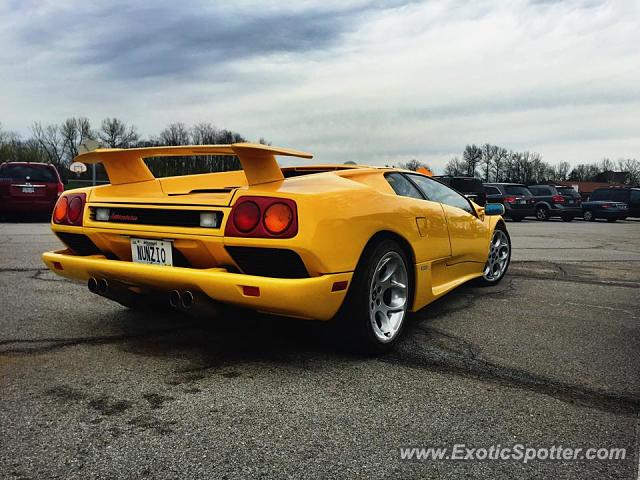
(174, 298)
(92, 285)
(103, 286)
(187, 299)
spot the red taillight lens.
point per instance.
(60, 212)
(509, 199)
(69, 208)
(75, 209)
(263, 217)
(557, 199)
(606, 205)
(277, 218)
(246, 217)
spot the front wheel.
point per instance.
(376, 306)
(499, 257)
(588, 216)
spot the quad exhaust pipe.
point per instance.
(113, 291)
(193, 303)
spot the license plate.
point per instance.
(570, 202)
(28, 190)
(154, 252)
(521, 202)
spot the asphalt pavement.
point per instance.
(551, 356)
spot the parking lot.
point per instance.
(549, 357)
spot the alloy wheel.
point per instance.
(388, 296)
(499, 254)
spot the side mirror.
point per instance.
(494, 209)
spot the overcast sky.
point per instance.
(370, 81)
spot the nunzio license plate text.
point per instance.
(155, 252)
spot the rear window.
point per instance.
(613, 194)
(491, 190)
(466, 185)
(567, 191)
(32, 173)
(517, 190)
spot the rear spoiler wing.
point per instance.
(126, 165)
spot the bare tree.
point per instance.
(114, 133)
(455, 167)
(51, 141)
(75, 131)
(413, 165)
(472, 156)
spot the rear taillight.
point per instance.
(263, 217)
(607, 205)
(509, 199)
(557, 199)
(69, 209)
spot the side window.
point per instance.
(402, 186)
(441, 193)
(634, 198)
(534, 190)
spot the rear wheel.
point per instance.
(376, 306)
(542, 213)
(588, 216)
(499, 257)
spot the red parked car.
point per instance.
(29, 188)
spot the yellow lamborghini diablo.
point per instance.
(360, 244)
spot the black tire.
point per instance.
(517, 219)
(542, 213)
(483, 281)
(354, 318)
(589, 216)
(567, 218)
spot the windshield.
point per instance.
(32, 173)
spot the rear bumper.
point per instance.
(35, 206)
(511, 212)
(309, 298)
(617, 214)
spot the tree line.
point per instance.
(58, 144)
(493, 163)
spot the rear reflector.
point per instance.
(57, 266)
(338, 286)
(248, 291)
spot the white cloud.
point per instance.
(374, 83)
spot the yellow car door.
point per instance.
(468, 234)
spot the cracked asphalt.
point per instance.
(89, 389)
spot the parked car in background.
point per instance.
(29, 188)
(518, 201)
(611, 211)
(470, 187)
(627, 195)
(550, 202)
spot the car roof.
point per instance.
(28, 163)
(506, 183)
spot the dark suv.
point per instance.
(628, 195)
(470, 187)
(517, 199)
(29, 188)
(551, 202)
